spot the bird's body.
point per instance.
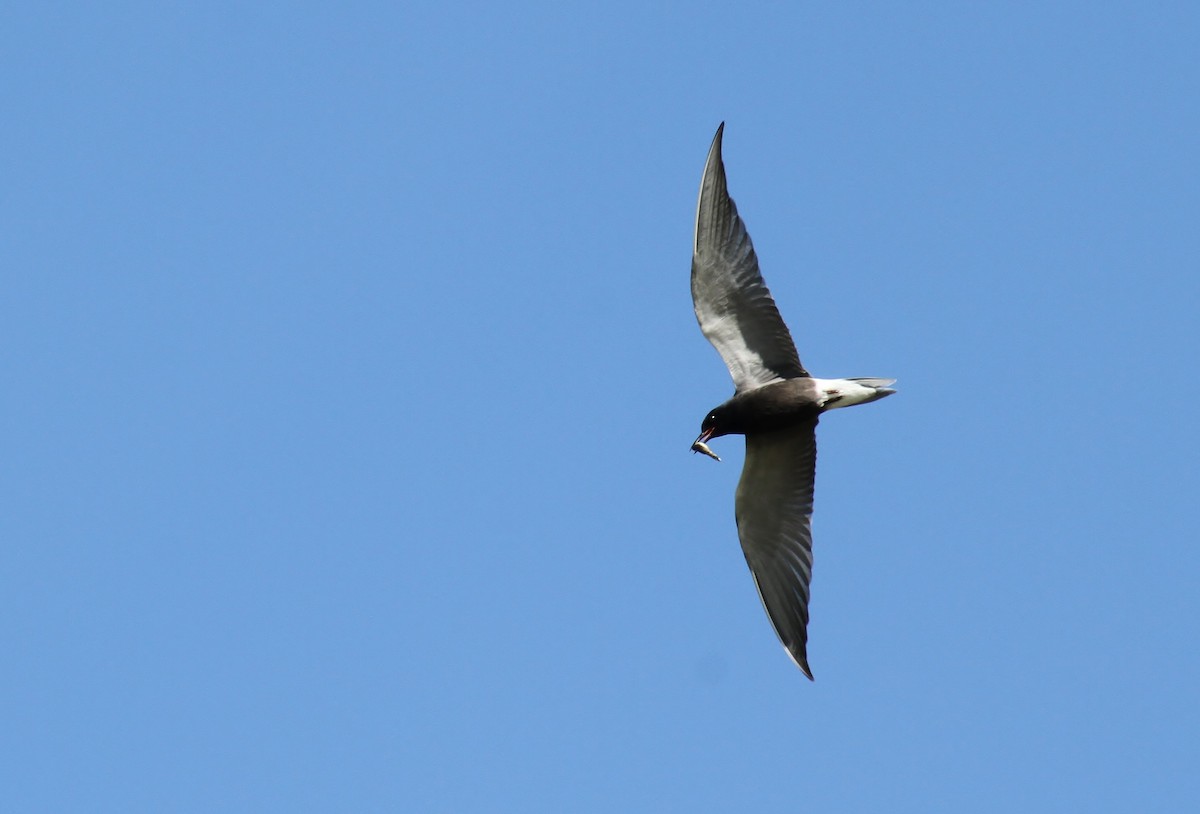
(786, 402)
(776, 405)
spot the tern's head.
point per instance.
(721, 421)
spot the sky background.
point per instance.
(349, 371)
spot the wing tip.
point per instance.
(712, 184)
(715, 148)
(801, 660)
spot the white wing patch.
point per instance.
(746, 366)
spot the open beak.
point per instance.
(699, 446)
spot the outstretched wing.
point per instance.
(733, 306)
(774, 512)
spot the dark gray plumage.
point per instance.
(776, 405)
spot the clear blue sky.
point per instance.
(349, 372)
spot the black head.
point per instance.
(717, 423)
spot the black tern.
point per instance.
(776, 405)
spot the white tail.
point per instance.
(848, 392)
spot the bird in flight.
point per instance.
(776, 405)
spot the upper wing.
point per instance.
(734, 307)
(774, 512)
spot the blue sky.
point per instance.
(350, 371)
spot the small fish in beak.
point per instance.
(700, 446)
